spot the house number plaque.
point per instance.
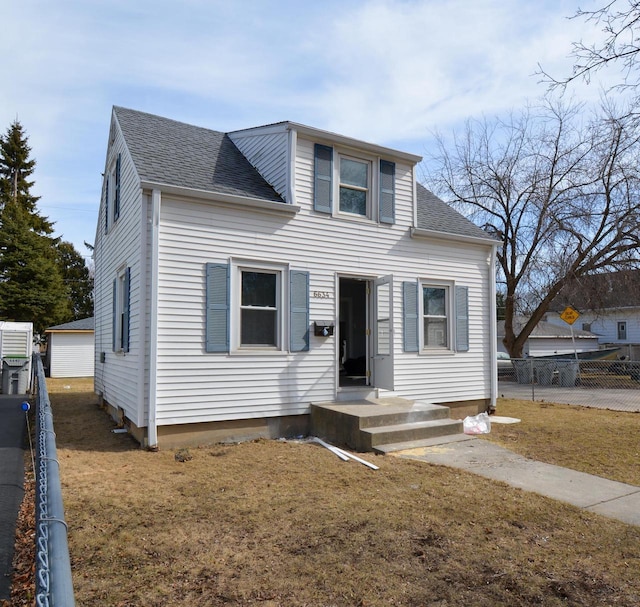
(322, 295)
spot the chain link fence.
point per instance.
(54, 586)
(611, 384)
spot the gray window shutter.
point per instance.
(462, 319)
(298, 311)
(410, 316)
(217, 307)
(106, 206)
(323, 178)
(386, 212)
(125, 310)
(116, 202)
(114, 323)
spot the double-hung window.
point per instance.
(362, 186)
(354, 186)
(260, 309)
(250, 307)
(435, 316)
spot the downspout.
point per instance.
(152, 429)
(292, 143)
(493, 329)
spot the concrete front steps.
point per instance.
(383, 425)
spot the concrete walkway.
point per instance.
(12, 439)
(616, 400)
(593, 493)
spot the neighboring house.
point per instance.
(609, 306)
(240, 277)
(71, 349)
(550, 339)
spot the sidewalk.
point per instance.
(12, 437)
(593, 493)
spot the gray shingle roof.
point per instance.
(435, 214)
(600, 291)
(174, 153)
(84, 324)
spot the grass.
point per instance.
(275, 523)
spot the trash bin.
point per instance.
(544, 371)
(523, 371)
(15, 375)
(567, 373)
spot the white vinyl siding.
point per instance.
(604, 324)
(118, 378)
(196, 387)
(71, 354)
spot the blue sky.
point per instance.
(386, 71)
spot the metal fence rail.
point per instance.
(54, 587)
(613, 384)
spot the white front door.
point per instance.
(382, 333)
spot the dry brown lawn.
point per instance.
(282, 523)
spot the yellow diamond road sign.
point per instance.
(569, 315)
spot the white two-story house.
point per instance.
(240, 277)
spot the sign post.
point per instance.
(569, 315)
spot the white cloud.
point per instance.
(384, 70)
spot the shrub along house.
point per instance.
(241, 277)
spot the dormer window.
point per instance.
(354, 186)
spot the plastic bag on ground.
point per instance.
(477, 424)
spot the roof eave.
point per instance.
(422, 233)
(357, 144)
(69, 330)
(224, 198)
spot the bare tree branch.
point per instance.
(561, 192)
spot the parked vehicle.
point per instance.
(505, 366)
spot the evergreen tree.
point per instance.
(15, 169)
(77, 279)
(31, 284)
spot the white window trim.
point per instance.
(449, 287)
(373, 163)
(282, 294)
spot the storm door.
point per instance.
(383, 333)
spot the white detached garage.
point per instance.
(70, 351)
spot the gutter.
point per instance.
(422, 233)
(219, 197)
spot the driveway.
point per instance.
(616, 400)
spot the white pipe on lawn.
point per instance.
(344, 455)
(331, 448)
(358, 459)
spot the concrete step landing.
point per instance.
(379, 424)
